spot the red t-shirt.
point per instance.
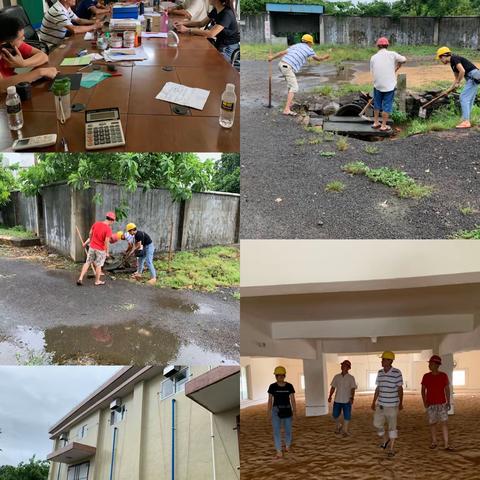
(100, 232)
(435, 385)
(5, 69)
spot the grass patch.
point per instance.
(468, 210)
(336, 91)
(17, 231)
(206, 269)
(352, 53)
(342, 144)
(327, 154)
(371, 149)
(329, 136)
(404, 185)
(315, 141)
(310, 129)
(468, 234)
(300, 141)
(336, 186)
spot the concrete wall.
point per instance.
(210, 219)
(207, 219)
(363, 31)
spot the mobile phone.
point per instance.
(10, 48)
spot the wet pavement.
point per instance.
(45, 317)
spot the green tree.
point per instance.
(180, 173)
(33, 470)
(227, 173)
(7, 181)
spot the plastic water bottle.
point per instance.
(14, 109)
(227, 109)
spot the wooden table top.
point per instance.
(148, 124)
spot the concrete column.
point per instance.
(135, 433)
(436, 30)
(315, 372)
(321, 31)
(80, 217)
(447, 367)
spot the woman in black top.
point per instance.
(225, 29)
(282, 408)
(462, 69)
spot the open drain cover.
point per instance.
(180, 109)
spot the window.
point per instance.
(372, 379)
(243, 384)
(78, 472)
(459, 378)
(117, 415)
(302, 382)
(174, 384)
(82, 431)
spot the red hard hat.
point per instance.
(110, 215)
(383, 41)
(347, 362)
(435, 359)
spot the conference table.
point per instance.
(149, 124)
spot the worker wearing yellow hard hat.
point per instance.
(387, 402)
(463, 69)
(293, 59)
(281, 408)
(141, 245)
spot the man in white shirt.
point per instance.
(344, 386)
(59, 19)
(192, 10)
(387, 401)
(383, 67)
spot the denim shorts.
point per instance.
(347, 410)
(383, 100)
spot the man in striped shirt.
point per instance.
(387, 401)
(59, 19)
(294, 58)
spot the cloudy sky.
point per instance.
(32, 399)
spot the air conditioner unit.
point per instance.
(171, 370)
(116, 404)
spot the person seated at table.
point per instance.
(15, 53)
(92, 8)
(60, 19)
(225, 29)
(192, 10)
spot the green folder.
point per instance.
(76, 61)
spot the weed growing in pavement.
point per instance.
(329, 136)
(310, 129)
(342, 144)
(327, 154)
(300, 141)
(404, 185)
(315, 141)
(371, 149)
(469, 210)
(468, 234)
(335, 186)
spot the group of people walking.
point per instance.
(386, 404)
(384, 66)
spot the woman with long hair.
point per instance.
(282, 408)
(224, 31)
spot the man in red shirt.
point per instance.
(99, 239)
(436, 398)
(15, 53)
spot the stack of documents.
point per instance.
(124, 54)
(182, 95)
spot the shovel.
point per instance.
(422, 113)
(85, 250)
(270, 82)
(361, 114)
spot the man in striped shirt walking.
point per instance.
(387, 401)
(59, 19)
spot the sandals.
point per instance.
(79, 283)
(433, 446)
(376, 127)
(464, 124)
(99, 284)
(384, 445)
(388, 128)
(290, 114)
(391, 453)
(449, 449)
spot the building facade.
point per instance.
(151, 423)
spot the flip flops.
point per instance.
(79, 283)
(290, 114)
(376, 127)
(388, 128)
(99, 284)
(449, 449)
(391, 453)
(464, 124)
(433, 446)
(384, 445)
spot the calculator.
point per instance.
(103, 129)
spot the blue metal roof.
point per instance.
(294, 8)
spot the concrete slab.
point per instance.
(19, 242)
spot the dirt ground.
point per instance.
(317, 453)
(283, 183)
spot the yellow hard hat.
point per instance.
(119, 234)
(388, 355)
(307, 38)
(442, 51)
(131, 226)
(279, 371)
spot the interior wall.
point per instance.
(469, 362)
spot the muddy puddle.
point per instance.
(142, 344)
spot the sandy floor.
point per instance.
(416, 76)
(317, 453)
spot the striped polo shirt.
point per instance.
(388, 383)
(297, 55)
(54, 21)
